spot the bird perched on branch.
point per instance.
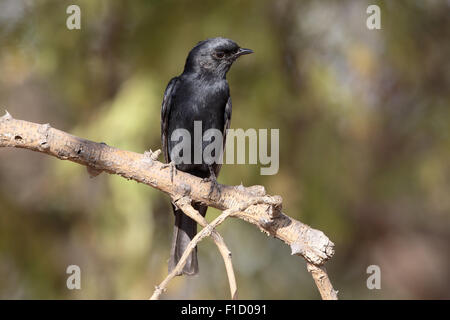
(200, 93)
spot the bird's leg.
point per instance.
(213, 179)
(173, 169)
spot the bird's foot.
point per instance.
(173, 169)
(214, 184)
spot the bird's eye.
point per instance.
(219, 55)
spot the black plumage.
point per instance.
(200, 93)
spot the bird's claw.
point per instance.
(173, 169)
(214, 184)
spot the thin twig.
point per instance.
(185, 205)
(209, 229)
(322, 281)
(206, 231)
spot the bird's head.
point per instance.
(214, 56)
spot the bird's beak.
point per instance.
(243, 51)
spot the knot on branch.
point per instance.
(6, 116)
(182, 201)
(256, 190)
(314, 246)
(93, 172)
(44, 133)
(151, 156)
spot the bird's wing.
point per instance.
(227, 118)
(227, 122)
(165, 112)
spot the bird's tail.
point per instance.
(184, 231)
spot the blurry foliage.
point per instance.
(364, 128)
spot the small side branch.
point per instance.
(323, 282)
(206, 231)
(185, 205)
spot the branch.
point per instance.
(206, 231)
(313, 245)
(322, 281)
(185, 205)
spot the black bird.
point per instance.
(200, 93)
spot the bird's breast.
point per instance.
(198, 101)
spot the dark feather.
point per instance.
(200, 93)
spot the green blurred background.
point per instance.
(364, 144)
